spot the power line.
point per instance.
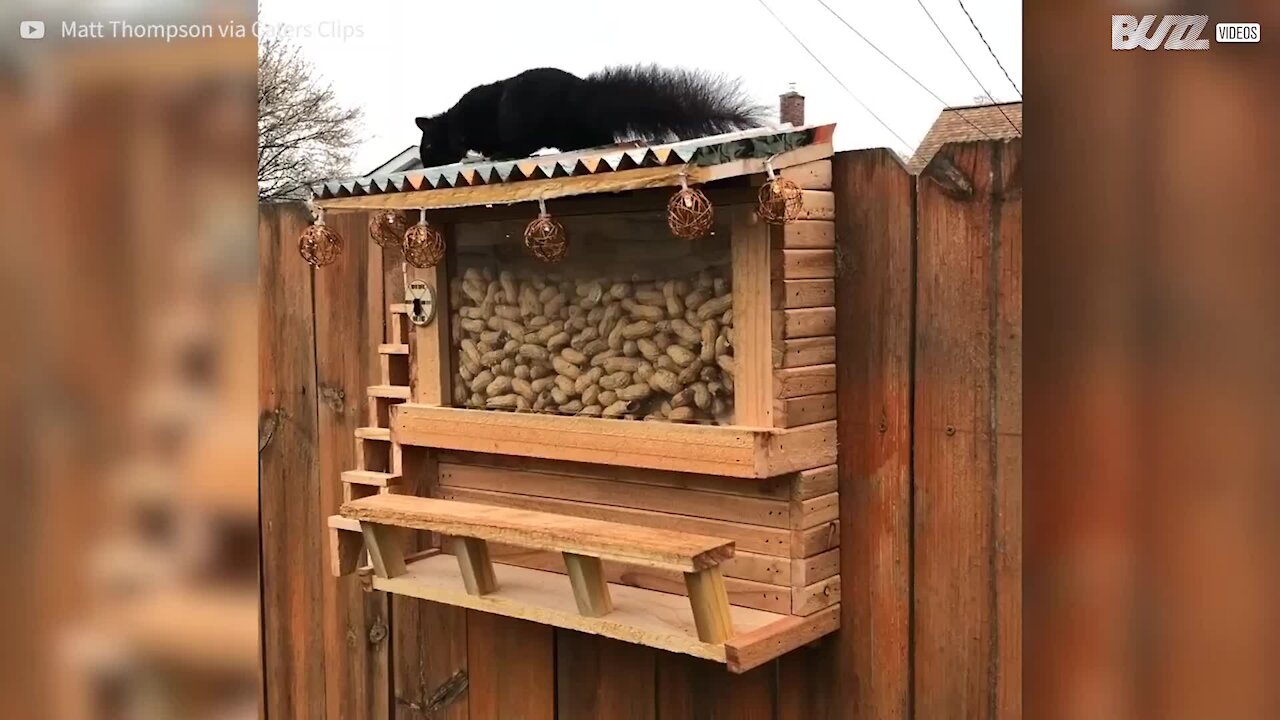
(966, 67)
(906, 145)
(900, 68)
(993, 52)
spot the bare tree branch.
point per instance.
(305, 134)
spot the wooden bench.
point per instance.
(583, 542)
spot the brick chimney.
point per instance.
(791, 107)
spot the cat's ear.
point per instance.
(424, 123)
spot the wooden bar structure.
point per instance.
(614, 517)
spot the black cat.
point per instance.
(547, 107)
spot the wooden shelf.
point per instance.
(644, 617)
(374, 433)
(743, 452)
(370, 477)
(391, 392)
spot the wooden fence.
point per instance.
(930, 346)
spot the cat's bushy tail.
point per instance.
(655, 103)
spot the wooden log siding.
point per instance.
(902, 253)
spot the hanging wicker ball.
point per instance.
(546, 239)
(387, 227)
(690, 214)
(781, 201)
(319, 245)
(423, 246)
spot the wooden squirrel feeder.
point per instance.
(637, 441)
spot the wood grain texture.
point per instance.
(599, 677)
(965, 305)
(544, 531)
(291, 532)
(815, 482)
(794, 294)
(803, 235)
(812, 598)
(512, 668)
(804, 323)
(801, 381)
(814, 540)
(806, 571)
(754, 538)
(752, 321)
(429, 368)
(386, 549)
(815, 511)
(732, 451)
(804, 410)
(345, 548)
(814, 175)
(808, 685)
(800, 448)
(590, 589)
(713, 505)
(749, 650)
(656, 619)
(475, 565)
(818, 205)
(874, 318)
(803, 264)
(804, 351)
(692, 689)
(710, 605)
(1007, 533)
(757, 594)
(773, 488)
(429, 640)
(349, 328)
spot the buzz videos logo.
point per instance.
(1176, 32)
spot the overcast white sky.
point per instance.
(416, 57)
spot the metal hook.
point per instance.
(768, 166)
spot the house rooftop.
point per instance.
(968, 123)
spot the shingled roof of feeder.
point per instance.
(756, 143)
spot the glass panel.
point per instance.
(633, 324)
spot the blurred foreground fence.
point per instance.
(930, 399)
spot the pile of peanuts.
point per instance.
(599, 347)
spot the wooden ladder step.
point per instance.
(392, 392)
(630, 544)
(370, 477)
(374, 433)
(394, 348)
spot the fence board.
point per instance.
(875, 238)
(928, 371)
(598, 677)
(348, 321)
(957, 595)
(290, 525)
(430, 669)
(1007, 328)
(512, 668)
